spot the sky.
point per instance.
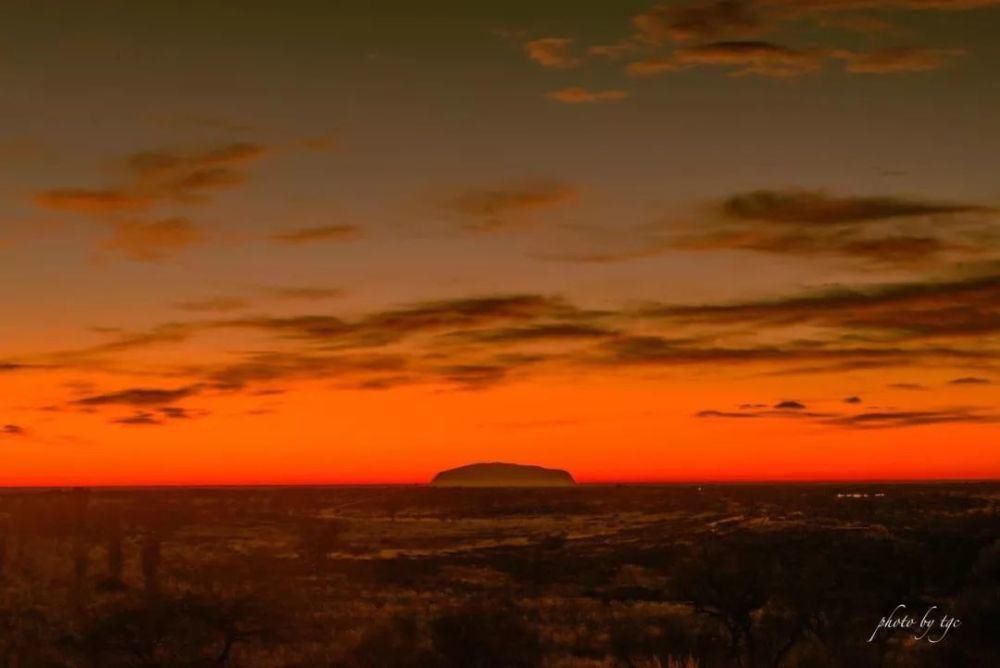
(323, 242)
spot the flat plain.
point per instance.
(643, 576)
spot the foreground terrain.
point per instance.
(679, 576)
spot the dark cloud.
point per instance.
(678, 35)
(754, 411)
(325, 327)
(490, 209)
(871, 232)
(897, 419)
(702, 20)
(657, 351)
(139, 418)
(946, 308)
(820, 208)
(866, 420)
(753, 57)
(884, 230)
(140, 396)
(906, 386)
(851, 5)
(536, 333)
(12, 430)
(852, 400)
(969, 380)
(325, 233)
(11, 366)
(790, 404)
(468, 312)
(725, 414)
(175, 412)
(267, 367)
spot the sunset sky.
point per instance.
(310, 242)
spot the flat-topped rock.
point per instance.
(499, 474)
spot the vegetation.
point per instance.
(631, 576)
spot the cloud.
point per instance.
(725, 414)
(898, 59)
(80, 200)
(552, 52)
(923, 309)
(744, 58)
(753, 57)
(147, 241)
(817, 207)
(171, 332)
(140, 396)
(154, 178)
(267, 367)
(898, 419)
(306, 235)
(906, 386)
(160, 175)
(12, 430)
(538, 333)
(213, 305)
(388, 326)
(191, 176)
(615, 51)
(969, 380)
(648, 350)
(652, 66)
(867, 420)
(876, 230)
(873, 232)
(678, 35)
(847, 5)
(852, 400)
(139, 418)
(789, 404)
(580, 95)
(702, 20)
(496, 208)
(175, 412)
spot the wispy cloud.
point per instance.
(580, 95)
(553, 52)
(12, 430)
(140, 396)
(152, 179)
(500, 207)
(152, 240)
(319, 234)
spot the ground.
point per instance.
(680, 576)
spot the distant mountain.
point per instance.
(498, 474)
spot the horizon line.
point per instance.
(608, 483)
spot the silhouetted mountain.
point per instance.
(498, 474)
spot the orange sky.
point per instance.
(639, 241)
